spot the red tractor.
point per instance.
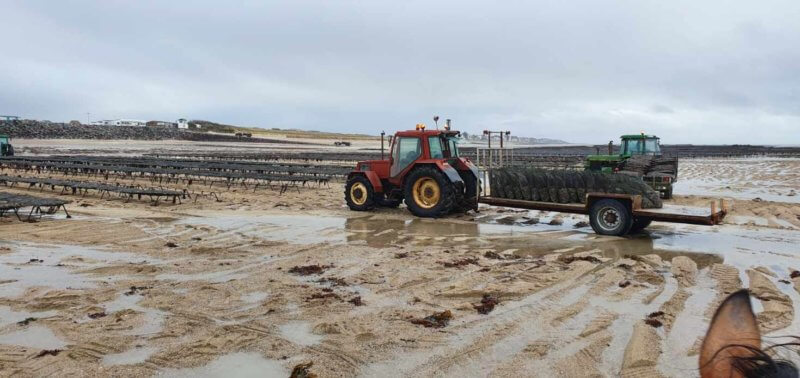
(424, 169)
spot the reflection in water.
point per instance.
(378, 233)
(643, 244)
(523, 241)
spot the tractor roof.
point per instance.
(639, 136)
(416, 133)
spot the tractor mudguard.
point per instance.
(451, 172)
(373, 178)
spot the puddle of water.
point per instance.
(9, 316)
(38, 274)
(36, 336)
(154, 319)
(374, 231)
(129, 357)
(22, 253)
(302, 229)
(235, 365)
(738, 246)
(299, 333)
(18, 267)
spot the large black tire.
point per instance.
(469, 200)
(610, 217)
(359, 194)
(566, 186)
(10, 151)
(423, 180)
(639, 224)
(668, 193)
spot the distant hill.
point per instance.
(545, 141)
(208, 126)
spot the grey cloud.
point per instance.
(583, 71)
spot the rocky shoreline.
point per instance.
(29, 129)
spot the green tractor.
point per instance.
(640, 156)
(6, 149)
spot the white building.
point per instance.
(183, 123)
(120, 122)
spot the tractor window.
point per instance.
(651, 147)
(633, 147)
(452, 147)
(435, 145)
(407, 150)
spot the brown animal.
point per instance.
(732, 346)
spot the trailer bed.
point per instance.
(669, 213)
(685, 214)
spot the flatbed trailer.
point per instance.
(621, 214)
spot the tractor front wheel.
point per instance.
(359, 194)
(429, 193)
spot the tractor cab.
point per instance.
(424, 168)
(640, 145)
(632, 145)
(408, 147)
(639, 154)
(6, 149)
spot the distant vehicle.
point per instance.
(640, 155)
(244, 135)
(6, 149)
(341, 144)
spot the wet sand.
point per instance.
(209, 289)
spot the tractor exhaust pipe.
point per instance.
(382, 134)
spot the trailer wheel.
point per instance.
(359, 194)
(639, 224)
(610, 217)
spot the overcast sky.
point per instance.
(709, 71)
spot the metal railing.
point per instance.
(487, 158)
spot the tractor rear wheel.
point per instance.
(359, 194)
(469, 201)
(429, 193)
